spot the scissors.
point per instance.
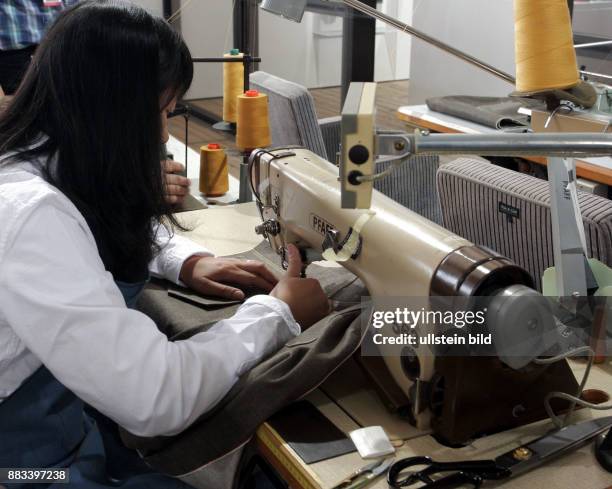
(428, 473)
(365, 475)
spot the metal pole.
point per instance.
(572, 272)
(539, 144)
(366, 9)
(358, 47)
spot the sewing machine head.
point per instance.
(397, 253)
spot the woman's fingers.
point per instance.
(258, 268)
(294, 261)
(176, 190)
(238, 276)
(171, 166)
(210, 287)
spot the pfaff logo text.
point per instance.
(319, 224)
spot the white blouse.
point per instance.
(61, 308)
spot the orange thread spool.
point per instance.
(214, 176)
(544, 46)
(253, 129)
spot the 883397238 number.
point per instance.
(33, 476)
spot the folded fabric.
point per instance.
(212, 451)
(294, 371)
(495, 112)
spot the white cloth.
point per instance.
(61, 308)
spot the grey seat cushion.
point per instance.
(471, 192)
(413, 184)
(293, 119)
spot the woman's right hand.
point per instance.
(304, 296)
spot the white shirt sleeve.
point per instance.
(173, 251)
(60, 301)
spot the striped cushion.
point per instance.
(413, 184)
(293, 120)
(470, 194)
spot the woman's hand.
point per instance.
(223, 277)
(176, 187)
(304, 296)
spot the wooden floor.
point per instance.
(389, 96)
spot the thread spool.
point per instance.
(214, 178)
(233, 84)
(544, 46)
(253, 130)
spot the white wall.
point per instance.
(482, 28)
(206, 26)
(309, 53)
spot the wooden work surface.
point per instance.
(230, 229)
(595, 169)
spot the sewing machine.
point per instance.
(400, 253)
(308, 201)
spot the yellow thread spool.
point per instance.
(233, 85)
(253, 129)
(544, 46)
(214, 178)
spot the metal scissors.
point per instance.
(423, 472)
(363, 476)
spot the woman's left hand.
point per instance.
(224, 277)
(176, 187)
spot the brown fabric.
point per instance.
(471, 192)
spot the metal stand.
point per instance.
(248, 61)
(358, 44)
(573, 273)
(244, 192)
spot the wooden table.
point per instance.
(230, 229)
(595, 169)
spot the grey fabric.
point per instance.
(288, 375)
(209, 453)
(413, 184)
(223, 473)
(293, 120)
(331, 129)
(471, 192)
(179, 319)
(496, 112)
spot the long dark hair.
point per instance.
(95, 87)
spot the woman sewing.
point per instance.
(81, 196)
